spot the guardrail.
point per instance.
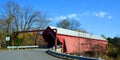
(71, 56)
(18, 47)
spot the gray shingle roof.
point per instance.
(75, 33)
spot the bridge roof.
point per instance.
(76, 33)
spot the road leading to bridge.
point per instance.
(33, 54)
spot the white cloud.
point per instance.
(58, 18)
(72, 15)
(50, 18)
(87, 13)
(69, 16)
(110, 17)
(75, 16)
(102, 14)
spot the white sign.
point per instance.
(7, 38)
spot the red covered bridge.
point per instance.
(73, 41)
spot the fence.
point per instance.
(18, 47)
(71, 56)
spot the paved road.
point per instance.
(36, 54)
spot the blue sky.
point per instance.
(96, 16)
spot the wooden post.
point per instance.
(13, 38)
(56, 40)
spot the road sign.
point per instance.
(7, 38)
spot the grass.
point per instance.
(110, 58)
(3, 49)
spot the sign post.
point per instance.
(8, 39)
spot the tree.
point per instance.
(22, 18)
(113, 47)
(64, 24)
(103, 36)
(71, 24)
(74, 24)
(116, 42)
(13, 17)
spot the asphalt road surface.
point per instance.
(33, 54)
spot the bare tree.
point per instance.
(23, 18)
(74, 24)
(64, 24)
(71, 24)
(13, 17)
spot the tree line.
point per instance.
(14, 17)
